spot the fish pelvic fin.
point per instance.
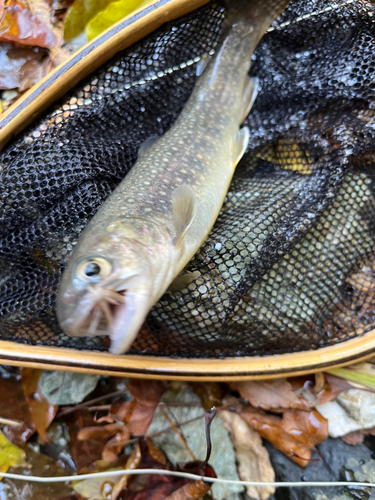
(257, 15)
(184, 207)
(239, 145)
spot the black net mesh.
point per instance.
(289, 264)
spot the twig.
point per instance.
(168, 428)
(7, 421)
(71, 409)
(99, 408)
(177, 432)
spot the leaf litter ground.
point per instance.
(118, 424)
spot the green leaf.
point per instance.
(66, 388)
(111, 15)
(10, 454)
(366, 379)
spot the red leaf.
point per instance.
(42, 412)
(137, 414)
(18, 25)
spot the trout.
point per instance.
(137, 245)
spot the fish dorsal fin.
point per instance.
(239, 145)
(184, 206)
(249, 95)
(145, 146)
(182, 281)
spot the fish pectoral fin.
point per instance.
(249, 95)
(184, 207)
(202, 64)
(145, 146)
(182, 281)
(239, 145)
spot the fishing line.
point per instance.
(187, 475)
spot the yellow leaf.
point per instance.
(111, 15)
(10, 454)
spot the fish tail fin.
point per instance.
(252, 16)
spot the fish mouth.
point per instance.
(118, 312)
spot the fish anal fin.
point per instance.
(239, 145)
(249, 95)
(182, 281)
(184, 206)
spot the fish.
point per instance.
(137, 245)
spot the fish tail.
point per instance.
(252, 17)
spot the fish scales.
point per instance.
(143, 236)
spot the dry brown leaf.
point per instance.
(22, 67)
(210, 393)
(194, 490)
(132, 463)
(84, 453)
(253, 459)
(332, 388)
(137, 414)
(18, 25)
(295, 434)
(42, 412)
(271, 394)
(353, 438)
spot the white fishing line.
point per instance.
(187, 475)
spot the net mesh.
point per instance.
(289, 264)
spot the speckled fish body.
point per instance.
(153, 223)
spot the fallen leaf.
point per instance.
(189, 418)
(10, 454)
(252, 457)
(362, 376)
(196, 489)
(137, 414)
(22, 67)
(13, 405)
(84, 453)
(332, 388)
(295, 434)
(118, 433)
(42, 412)
(79, 14)
(110, 15)
(353, 438)
(273, 394)
(39, 464)
(210, 393)
(132, 463)
(66, 388)
(18, 25)
(104, 488)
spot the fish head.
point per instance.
(113, 278)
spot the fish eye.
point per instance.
(93, 268)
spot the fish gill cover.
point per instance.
(289, 264)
